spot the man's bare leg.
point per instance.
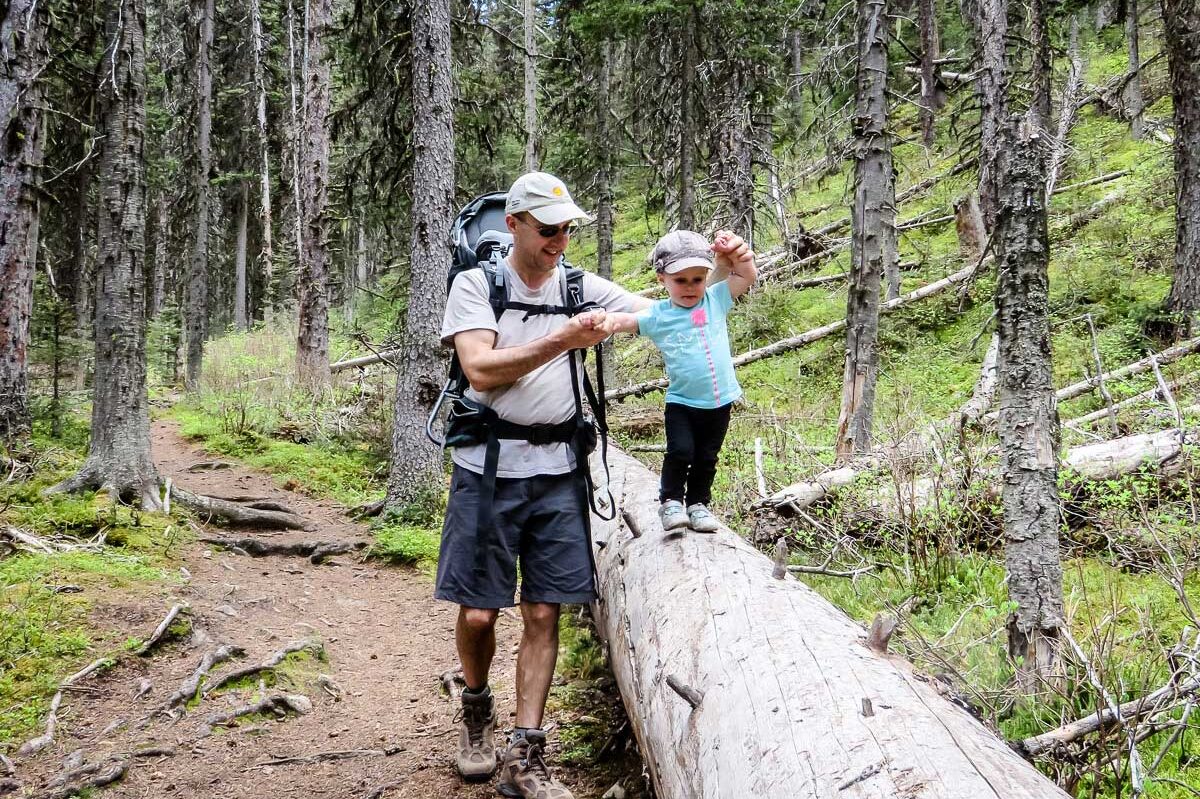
(475, 635)
(535, 661)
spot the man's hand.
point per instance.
(619, 323)
(582, 331)
(735, 259)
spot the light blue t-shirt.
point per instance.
(694, 343)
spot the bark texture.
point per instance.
(267, 256)
(312, 341)
(873, 240)
(1041, 67)
(929, 47)
(531, 83)
(23, 39)
(196, 299)
(992, 27)
(741, 685)
(240, 318)
(1181, 26)
(604, 186)
(416, 470)
(1133, 89)
(119, 451)
(687, 136)
(1028, 421)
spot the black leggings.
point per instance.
(694, 438)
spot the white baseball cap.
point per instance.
(545, 197)
(680, 250)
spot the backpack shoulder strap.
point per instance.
(497, 287)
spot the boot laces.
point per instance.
(534, 761)
(476, 718)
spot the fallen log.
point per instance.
(1156, 392)
(738, 684)
(804, 339)
(233, 514)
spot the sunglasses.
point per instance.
(550, 231)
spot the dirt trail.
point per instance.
(385, 637)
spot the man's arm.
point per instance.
(489, 368)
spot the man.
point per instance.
(519, 367)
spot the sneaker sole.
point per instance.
(705, 532)
(673, 527)
(505, 790)
(474, 778)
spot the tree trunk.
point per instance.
(795, 40)
(873, 246)
(23, 37)
(158, 287)
(1133, 89)
(312, 343)
(531, 83)
(1181, 24)
(296, 140)
(740, 685)
(417, 472)
(119, 450)
(929, 51)
(196, 297)
(993, 78)
(968, 219)
(1028, 422)
(267, 256)
(687, 125)
(1041, 67)
(82, 271)
(240, 319)
(604, 187)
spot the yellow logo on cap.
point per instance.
(557, 191)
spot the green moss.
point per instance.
(405, 545)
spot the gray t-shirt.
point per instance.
(543, 396)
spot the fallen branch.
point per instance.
(1108, 178)
(35, 745)
(315, 551)
(238, 515)
(1158, 701)
(279, 704)
(267, 665)
(187, 689)
(1149, 394)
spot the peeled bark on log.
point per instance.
(779, 677)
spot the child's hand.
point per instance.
(618, 323)
(731, 251)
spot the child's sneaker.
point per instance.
(700, 520)
(673, 516)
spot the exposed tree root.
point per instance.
(187, 689)
(327, 757)
(209, 466)
(161, 629)
(315, 551)
(238, 515)
(368, 510)
(35, 745)
(267, 665)
(279, 704)
(453, 683)
(91, 775)
(270, 504)
(136, 483)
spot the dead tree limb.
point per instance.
(269, 664)
(93, 775)
(233, 514)
(1079, 422)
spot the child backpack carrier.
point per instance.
(479, 239)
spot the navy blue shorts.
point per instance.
(537, 521)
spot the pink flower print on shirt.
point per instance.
(699, 317)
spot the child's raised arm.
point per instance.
(736, 259)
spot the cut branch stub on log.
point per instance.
(782, 674)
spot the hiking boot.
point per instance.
(476, 734)
(523, 771)
(673, 515)
(700, 520)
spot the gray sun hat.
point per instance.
(545, 197)
(679, 250)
